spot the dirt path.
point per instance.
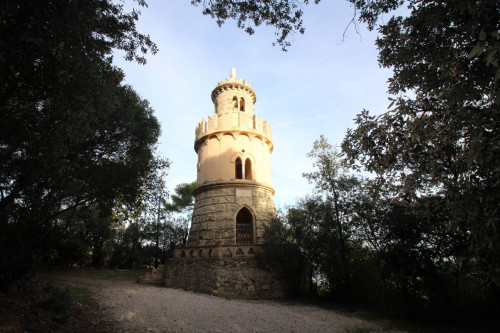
(145, 308)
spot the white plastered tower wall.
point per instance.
(233, 131)
(234, 167)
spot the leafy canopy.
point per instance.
(183, 198)
(284, 15)
(441, 133)
(71, 133)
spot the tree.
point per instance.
(318, 232)
(71, 134)
(282, 249)
(145, 220)
(339, 190)
(83, 237)
(182, 201)
(153, 198)
(416, 244)
(183, 198)
(444, 138)
(284, 15)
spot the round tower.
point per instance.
(234, 197)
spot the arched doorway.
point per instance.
(244, 227)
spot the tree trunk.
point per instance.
(343, 252)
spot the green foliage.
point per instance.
(148, 231)
(72, 291)
(84, 236)
(337, 191)
(320, 232)
(442, 139)
(71, 134)
(282, 251)
(358, 240)
(284, 15)
(183, 199)
(304, 242)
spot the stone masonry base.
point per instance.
(226, 277)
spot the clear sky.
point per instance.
(315, 88)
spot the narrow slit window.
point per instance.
(239, 169)
(248, 169)
(242, 104)
(235, 103)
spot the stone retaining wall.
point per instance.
(226, 277)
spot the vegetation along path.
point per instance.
(136, 307)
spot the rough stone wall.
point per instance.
(232, 277)
(216, 206)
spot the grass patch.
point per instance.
(73, 292)
(114, 274)
(104, 275)
(38, 306)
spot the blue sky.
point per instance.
(315, 88)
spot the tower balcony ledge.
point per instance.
(231, 183)
(234, 132)
(232, 84)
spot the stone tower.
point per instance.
(234, 197)
(233, 201)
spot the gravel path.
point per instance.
(145, 308)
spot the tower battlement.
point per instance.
(234, 79)
(233, 84)
(233, 121)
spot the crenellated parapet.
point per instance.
(234, 84)
(232, 121)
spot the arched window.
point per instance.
(183, 254)
(235, 103)
(244, 227)
(248, 169)
(238, 169)
(200, 253)
(242, 104)
(210, 253)
(239, 252)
